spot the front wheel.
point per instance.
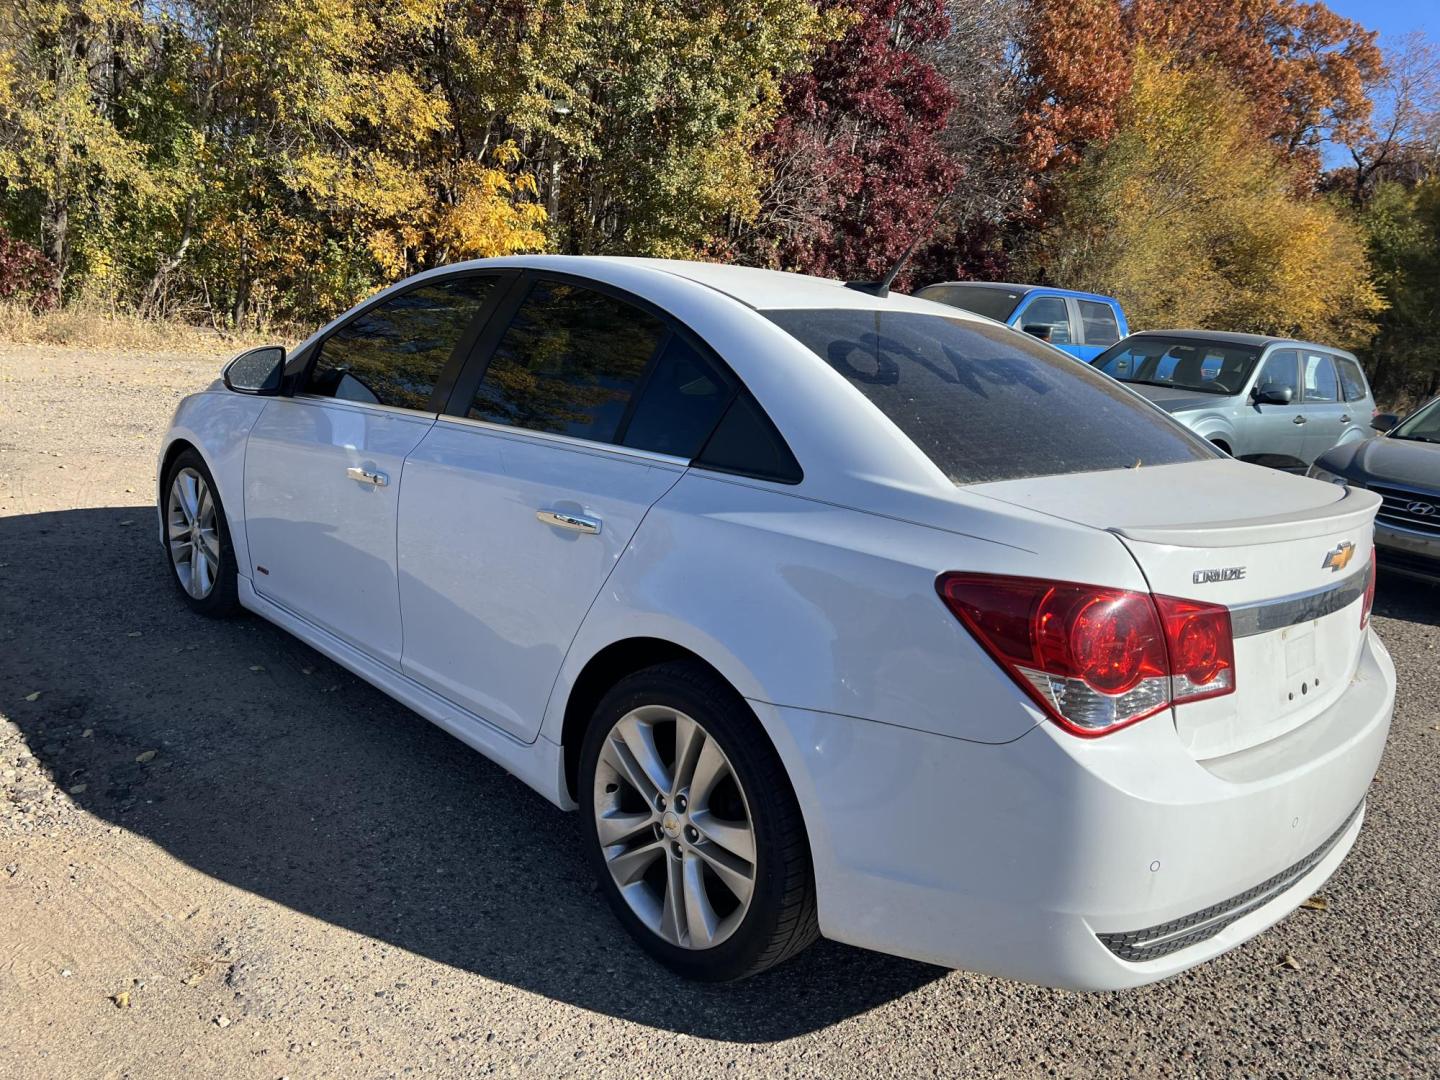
(692, 826)
(197, 539)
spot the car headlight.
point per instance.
(1318, 473)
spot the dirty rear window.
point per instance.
(986, 403)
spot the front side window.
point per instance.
(1421, 426)
(1181, 363)
(568, 363)
(393, 353)
(985, 403)
(1051, 311)
(1099, 321)
(1320, 383)
(1280, 373)
(1352, 381)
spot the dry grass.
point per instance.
(94, 328)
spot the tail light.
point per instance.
(1095, 659)
(1369, 592)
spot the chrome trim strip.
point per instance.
(1263, 616)
(565, 442)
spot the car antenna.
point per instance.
(881, 288)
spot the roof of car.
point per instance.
(1230, 337)
(1010, 286)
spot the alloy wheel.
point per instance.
(675, 827)
(191, 527)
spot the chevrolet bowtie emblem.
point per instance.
(1337, 560)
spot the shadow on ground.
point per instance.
(320, 793)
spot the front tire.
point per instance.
(692, 827)
(197, 538)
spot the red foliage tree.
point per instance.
(856, 155)
(25, 273)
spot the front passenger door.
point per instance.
(323, 468)
(1274, 435)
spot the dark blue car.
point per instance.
(1081, 323)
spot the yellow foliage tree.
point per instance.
(1192, 219)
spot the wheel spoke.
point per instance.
(701, 922)
(199, 572)
(617, 755)
(205, 509)
(690, 740)
(178, 529)
(630, 865)
(737, 875)
(189, 500)
(734, 836)
(639, 738)
(672, 916)
(710, 767)
(211, 544)
(617, 827)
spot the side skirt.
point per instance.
(540, 764)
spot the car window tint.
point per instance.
(746, 442)
(681, 403)
(1352, 380)
(1279, 372)
(568, 362)
(1100, 325)
(1186, 363)
(985, 403)
(393, 353)
(1049, 311)
(994, 302)
(1320, 383)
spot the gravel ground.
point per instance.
(221, 855)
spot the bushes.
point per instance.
(25, 274)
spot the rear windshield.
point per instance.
(992, 301)
(986, 403)
(1211, 367)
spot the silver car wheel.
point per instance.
(675, 827)
(193, 534)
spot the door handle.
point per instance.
(586, 525)
(365, 476)
(1298, 420)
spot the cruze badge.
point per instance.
(1338, 559)
(1224, 573)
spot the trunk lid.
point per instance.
(1288, 556)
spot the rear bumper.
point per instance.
(1408, 551)
(1023, 860)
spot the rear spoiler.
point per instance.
(1355, 510)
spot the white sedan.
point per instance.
(834, 612)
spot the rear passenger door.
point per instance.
(1359, 408)
(1098, 326)
(1326, 415)
(581, 408)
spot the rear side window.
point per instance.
(985, 403)
(568, 363)
(681, 403)
(993, 302)
(1320, 383)
(393, 353)
(1049, 311)
(1099, 320)
(747, 443)
(1352, 380)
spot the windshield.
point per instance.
(1421, 426)
(1211, 367)
(987, 403)
(993, 301)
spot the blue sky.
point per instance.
(1391, 17)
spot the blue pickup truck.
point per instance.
(1081, 323)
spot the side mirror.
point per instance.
(257, 371)
(1383, 422)
(1273, 395)
(1040, 330)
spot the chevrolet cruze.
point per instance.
(834, 612)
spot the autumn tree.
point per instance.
(1191, 219)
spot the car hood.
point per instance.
(1396, 461)
(1172, 399)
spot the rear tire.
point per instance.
(704, 857)
(197, 538)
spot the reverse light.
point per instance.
(1369, 601)
(1095, 659)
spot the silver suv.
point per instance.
(1271, 401)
